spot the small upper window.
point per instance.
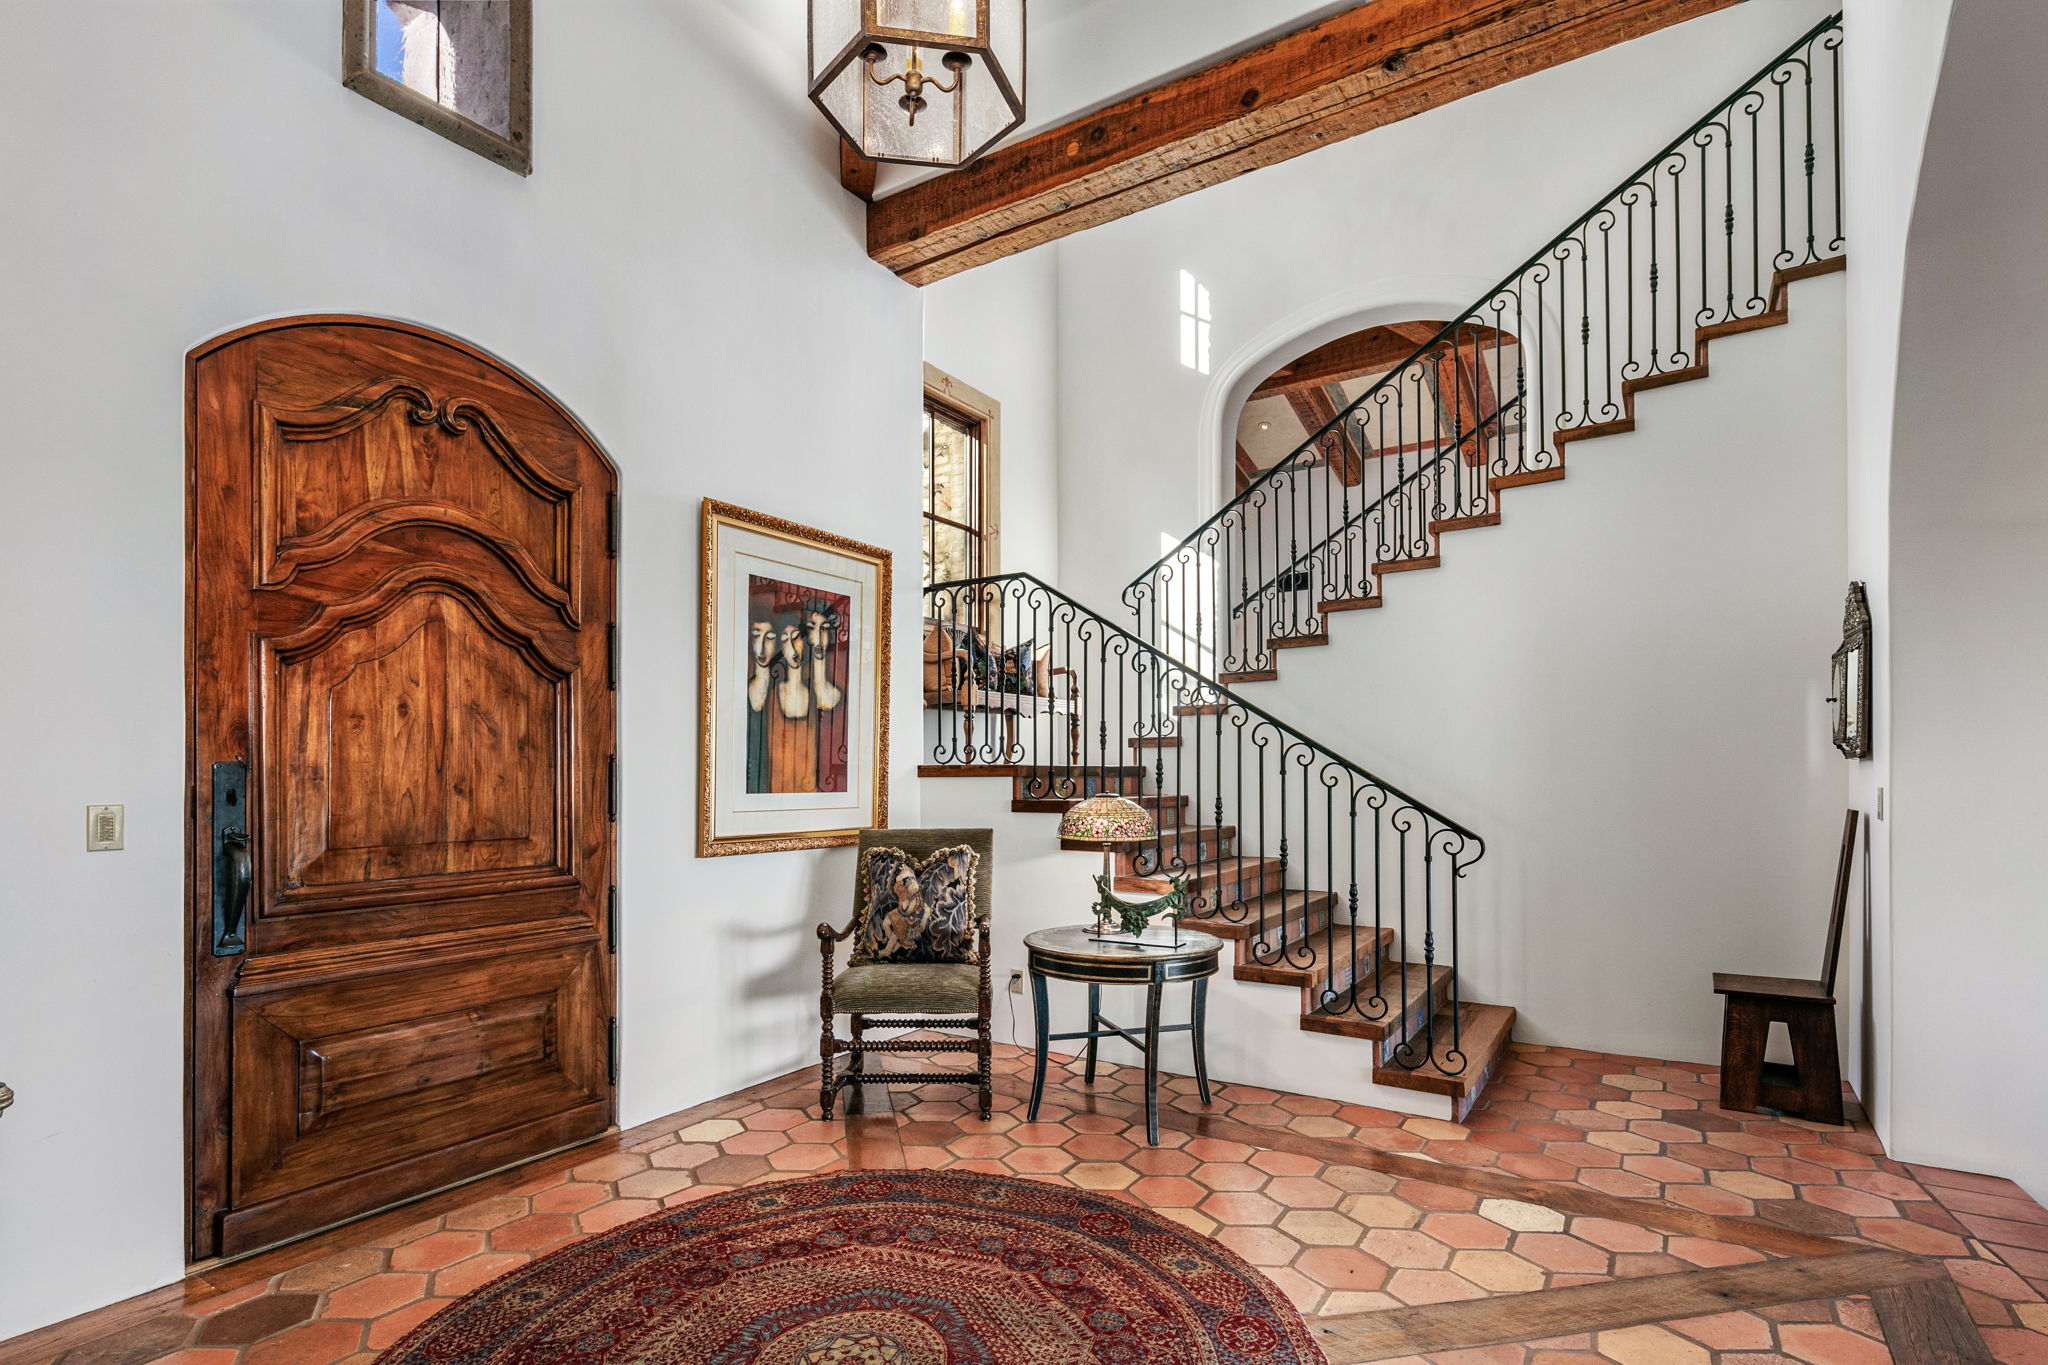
(1194, 323)
(460, 67)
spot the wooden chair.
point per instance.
(914, 995)
(1051, 705)
(1811, 1087)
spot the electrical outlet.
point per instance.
(1016, 983)
(104, 828)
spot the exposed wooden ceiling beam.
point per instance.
(1373, 351)
(1312, 405)
(1362, 69)
(856, 172)
(1247, 468)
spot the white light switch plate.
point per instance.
(105, 828)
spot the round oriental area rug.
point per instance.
(878, 1268)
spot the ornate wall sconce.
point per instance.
(1851, 677)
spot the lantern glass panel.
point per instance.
(834, 26)
(954, 18)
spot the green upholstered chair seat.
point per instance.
(908, 988)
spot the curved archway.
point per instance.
(1455, 392)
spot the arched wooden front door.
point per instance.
(401, 718)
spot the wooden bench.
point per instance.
(1811, 1087)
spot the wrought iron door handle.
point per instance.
(241, 875)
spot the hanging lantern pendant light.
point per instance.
(862, 50)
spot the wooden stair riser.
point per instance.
(1077, 785)
(1411, 1010)
(1337, 960)
(1185, 850)
(1215, 887)
(1168, 812)
(1297, 912)
(1484, 1038)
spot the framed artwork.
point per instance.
(793, 723)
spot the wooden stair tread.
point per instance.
(1298, 641)
(1171, 837)
(1526, 477)
(1156, 742)
(1402, 994)
(1631, 387)
(1714, 331)
(1257, 675)
(1483, 1033)
(1206, 708)
(1234, 868)
(1353, 954)
(1619, 427)
(1301, 911)
(1438, 527)
(1349, 604)
(1405, 565)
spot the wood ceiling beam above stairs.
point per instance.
(1355, 71)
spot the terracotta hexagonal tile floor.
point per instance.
(1612, 1191)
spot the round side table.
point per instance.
(1075, 954)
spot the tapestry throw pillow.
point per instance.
(918, 910)
(1010, 670)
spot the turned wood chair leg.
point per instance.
(856, 1099)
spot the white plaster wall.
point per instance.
(682, 271)
(1888, 90)
(1423, 214)
(1969, 543)
(997, 328)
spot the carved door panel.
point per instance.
(400, 593)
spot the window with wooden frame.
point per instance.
(463, 68)
(961, 426)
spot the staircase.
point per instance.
(1325, 877)
(1701, 244)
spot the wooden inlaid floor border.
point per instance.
(1660, 1214)
(1355, 1338)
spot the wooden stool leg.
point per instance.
(1819, 1062)
(1745, 1028)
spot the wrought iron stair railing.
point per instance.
(1702, 237)
(1333, 871)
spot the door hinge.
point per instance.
(611, 656)
(611, 525)
(611, 919)
(611, 1051)
(611, 788)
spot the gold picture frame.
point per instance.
(793, 685)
